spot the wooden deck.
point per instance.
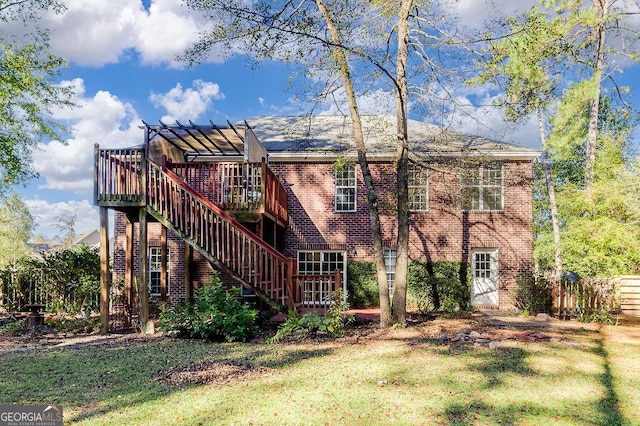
(198, 202)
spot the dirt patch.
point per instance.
(217, 373)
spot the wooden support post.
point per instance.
(293, 294)
(188, 283)
(105, 275)
(128, 270)
(143, 281)
(163, 264)
(337, 275)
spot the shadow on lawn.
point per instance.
(102, 379)
(495, 365)
(609, 404)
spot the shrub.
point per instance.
(362, 285)
(215, 314)
(533, 294)
(440, 286)
(332, 323)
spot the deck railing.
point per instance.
(190, 198)
(227, 241)
(250, 187)
(118, 180)
(316, 291)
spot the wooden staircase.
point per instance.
(220, 238)
(126, 179)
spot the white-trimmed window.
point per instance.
(311, 262)
(418, 188)
(390, 265)
(345, 192)
(482, 188)
(155, 270)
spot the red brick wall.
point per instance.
(443, 232)
(201, 268)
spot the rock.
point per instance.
(494, 344)
(474, 334)
(542, 317)
(482, 341)
(443, 338)
(382, 382)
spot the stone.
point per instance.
(474, 334)
(542, 317)
(482, 341)
(494, 344)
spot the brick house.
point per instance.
(277, 205)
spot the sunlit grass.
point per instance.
(398, 378)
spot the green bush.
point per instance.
(439, 286)
(215, 314)
(332, 323)
(533, 294)
(362, 285)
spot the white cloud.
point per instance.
(46, 215)
(168, 29)
(476, 13)
(190, 103)
(377, 102)
(102, 119)
(94, 32)
(97, 32)
(484, 119)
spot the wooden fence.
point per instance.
(629, 293)
(583, 297)
(18, 290)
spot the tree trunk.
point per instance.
(602, 10)
(402, 161)
(372, 197)
(552, 197)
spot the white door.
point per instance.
(484, 264)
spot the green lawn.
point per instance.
(406, 377)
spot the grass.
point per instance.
(405, 377)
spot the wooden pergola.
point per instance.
(179, 142)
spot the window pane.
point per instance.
(390, 266)
(418, 188)
(155, 269)
(482, 188)
(345, 190)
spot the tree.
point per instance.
(333, 38)
(16, 227)
(65, 224)
(523, 63)
(27, 89)
(544, 50)
(600, 233)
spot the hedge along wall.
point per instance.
(432, 286)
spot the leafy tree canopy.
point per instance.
(16, 226)
(27, 88)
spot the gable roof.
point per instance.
(325, 137)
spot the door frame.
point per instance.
(494, 276)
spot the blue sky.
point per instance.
(121, 56)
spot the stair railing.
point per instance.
(226, 240)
